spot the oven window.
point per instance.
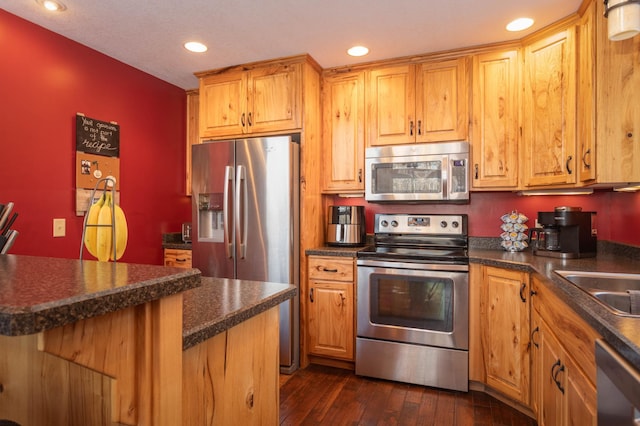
(420, 177)
(416, 302)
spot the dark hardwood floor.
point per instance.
(319, 395)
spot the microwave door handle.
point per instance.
(241, 206)
(228, 183)
(446, 170)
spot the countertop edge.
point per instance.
(192, 336)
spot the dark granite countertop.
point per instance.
(173, 240)
(40, 293)
(220, 303)
(621, 332)
(338, 251)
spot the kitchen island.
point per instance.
(86, 342)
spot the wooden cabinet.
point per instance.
(564, 391)
(586, 97)
(343, 132)
(265, 98)
(504, 328)
(495, 130)
(331, 303)
(177, 258)
(425, 102)
(618, 114)
(549, 122)
(193, 118)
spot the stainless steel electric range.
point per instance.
(413, 301)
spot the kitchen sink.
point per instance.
(611, 289)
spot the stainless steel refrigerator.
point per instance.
(245, 224)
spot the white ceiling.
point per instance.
(149, 34)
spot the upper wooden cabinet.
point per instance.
(549, 105)
(618, 115)
(586, 100)
(193, 118)
(262, 99)
(425, 102)
(494, 137)
(343, 132)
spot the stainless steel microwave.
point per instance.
(418, 173)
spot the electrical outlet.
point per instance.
(59, 227)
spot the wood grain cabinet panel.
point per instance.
(549, 128)
(177, 258)
(238, 102)
(343, 132)
(412, 103)
(618, 116)
(504, 325)
(495, 131)
(331, 308)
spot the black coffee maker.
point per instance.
(566, 232)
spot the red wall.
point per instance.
(617, 218)
(44, 80)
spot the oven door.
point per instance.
(413, 303)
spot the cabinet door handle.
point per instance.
(180, 260)
(311, 295)
(476, 171)
(568, 163)
(522, 289)
(250, 120)
(242, 119)
(584, 159)
(419, 127)
(329, 270)
(359, 175)
(558, 367)
(533, 333)
(411, 127)
(342, 299)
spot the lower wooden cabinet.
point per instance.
(178, 258)
(564, 369)
(504, 328)
(330, 307)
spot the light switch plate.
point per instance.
(59, 227)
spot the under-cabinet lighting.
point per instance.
(576, 191)
(629, 188)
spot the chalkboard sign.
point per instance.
(97, 137)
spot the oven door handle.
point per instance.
(449, 267)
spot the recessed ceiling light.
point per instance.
(519, 24)
(358, 51)
(194, 46)
(52, 6)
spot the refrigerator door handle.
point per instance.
(228, 182)
(241, 208)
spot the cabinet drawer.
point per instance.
(330, 268)
(177, 258)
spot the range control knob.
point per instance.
(394, 223)
(443, 224)
(455, 224)
(384, 223)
